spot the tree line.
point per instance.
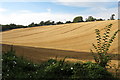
(43, 23)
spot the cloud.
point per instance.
(24, 11)
(106, 13)
(49, 10)
(3, 10)
(97, 8)
(27, 18)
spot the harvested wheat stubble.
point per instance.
(74, 36)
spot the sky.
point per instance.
(26, 12)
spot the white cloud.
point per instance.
(106, 13)
(27, 18)
(24, 11)
(3, 10)
(49, 10)
(97, 8)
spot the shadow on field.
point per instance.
(42, 54)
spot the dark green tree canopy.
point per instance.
(59, 22)
(32, 24)
(68, 22)
(90, 18)
(112, 17)
(78, 19)
(47, 22)
(41, 23)
(100, 19)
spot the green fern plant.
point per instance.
(103, 45)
